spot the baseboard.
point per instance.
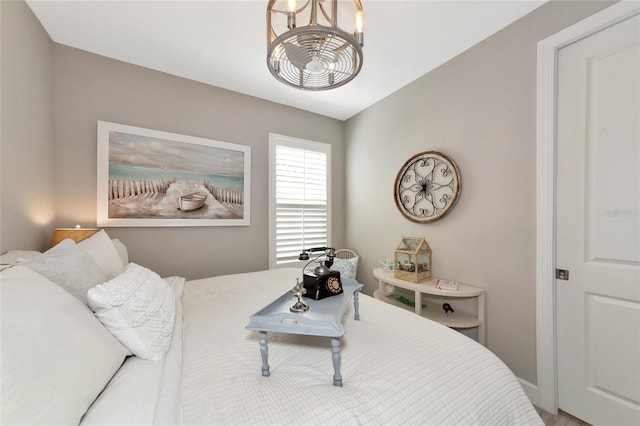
(531, 390)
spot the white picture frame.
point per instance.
(153, 178)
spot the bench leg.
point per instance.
(264, 351)
(335, 348)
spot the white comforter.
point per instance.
(397, 367)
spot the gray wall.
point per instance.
(480, 109)
(27, 171)
(89, 87)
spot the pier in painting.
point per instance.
(160, 199)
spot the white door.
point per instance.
(598, 226)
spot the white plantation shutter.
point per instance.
(299, 197)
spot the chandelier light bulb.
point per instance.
(291, 15)
(359, 20)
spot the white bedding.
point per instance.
(144, 392)
(397, 367)
(60, 365)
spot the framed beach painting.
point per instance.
(153, 178)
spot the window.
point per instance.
(299, 198)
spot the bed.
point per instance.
(64, 360)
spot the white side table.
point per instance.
(460, 320)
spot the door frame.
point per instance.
(546, 350)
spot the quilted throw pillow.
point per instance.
(139, 309)
(346, 267)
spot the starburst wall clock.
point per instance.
(427, 187)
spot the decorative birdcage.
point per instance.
(413, 260)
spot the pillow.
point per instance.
(56, 356)
(69, 267)
(122, 251)
(102, 250)
(145, 392)
(139, 309)
(346, 267)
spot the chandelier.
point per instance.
(314, 44)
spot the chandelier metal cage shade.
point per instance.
(314, 44)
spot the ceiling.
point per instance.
(223, 43)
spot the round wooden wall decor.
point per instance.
(427, 187)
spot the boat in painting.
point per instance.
(192, 201)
